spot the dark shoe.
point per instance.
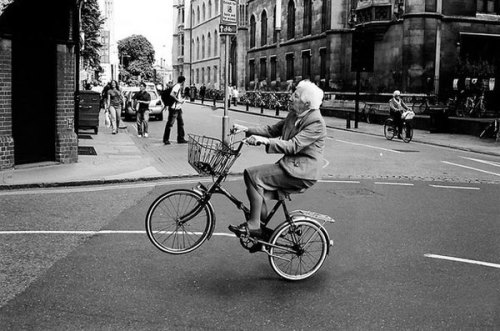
(166, 142)
(243, 230)
(183, 141)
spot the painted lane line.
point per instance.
(326, 163)
(389, 183)
(368, 146)
(456, 259)
(495, 164)
(471, 168)
(455, 187)
(339, 181)
(16, 232)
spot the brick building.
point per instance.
(414, 45)
(37, 82)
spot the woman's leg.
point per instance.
(112, 115)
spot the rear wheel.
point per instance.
(407, 133)
(389, 131)
(176, 223)
(298, 250)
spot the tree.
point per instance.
(91, 25)
(138, 56)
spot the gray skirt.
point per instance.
(270, 178)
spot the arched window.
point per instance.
(209, 10)
(216, 50)
(203, 46)
(216, 7)
(307, 23)
(198, 14)
(252, 31)
(204, 12)
(209, 44)
(197, 48)
(325, 15)
(290, 20)
(263, 28)
(275, 35)
(191, 19)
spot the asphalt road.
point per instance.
(416, 247)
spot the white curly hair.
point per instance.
(311, 93)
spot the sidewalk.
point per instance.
(120, 158)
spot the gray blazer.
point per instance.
(301, 140)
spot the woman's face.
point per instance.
(113, 84)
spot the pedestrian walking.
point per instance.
(175, 113)
(229, 92)
(236, 95)
(203, 90)
(114, 105)
(142, 99)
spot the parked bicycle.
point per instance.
(179, 221)
(475, 105)
(391, 130)
(491, 131)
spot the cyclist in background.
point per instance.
(301, 138)
(397, 107)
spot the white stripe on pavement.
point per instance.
(495, 164)
(99, 232)
(450, 258)
(368, 146)
(471, 168)
(455, 187)
(339, 181)
(390, 183)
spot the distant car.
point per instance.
(155, 105)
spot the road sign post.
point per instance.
(227, 27)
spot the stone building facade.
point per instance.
(37, 82)
(417, 46)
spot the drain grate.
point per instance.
(86, 150)
(406, 151)
(84, 136)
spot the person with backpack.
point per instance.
(166, 98)
(175, 113)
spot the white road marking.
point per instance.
(390, 183)
(455, 187)
(339, 181)
(471, 168)
(450, 258)
(326, 162)
(495, 164)
(97, 232)
(368, 146)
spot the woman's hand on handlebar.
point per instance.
(257, 140)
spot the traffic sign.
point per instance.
(227, 29)
(229, 12)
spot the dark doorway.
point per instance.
(33, 98)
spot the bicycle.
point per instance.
(181, 220)
(475, 105)
(491, 131)
(391, 131)
(368, 112)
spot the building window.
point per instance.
(198, 48)
(204, 10)
(306, 65)
(325, 15)
(273, 68)
(197, 76)
(198, 15)
(215, 74)
(208, 75)
(209, 45)
(275, 34)
(216, 49)
(202, 47)
(263, 69)
(203, 75)
(251, 65)
(210, 8)
(263, 28)
(289, 67)
(322, 64)
(307, 18)
(182, 15)
(216, 7)
(488, 6)
(243, 18)
(252, 31)
(290, 20)
(182, 45)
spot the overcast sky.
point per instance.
(153, 19)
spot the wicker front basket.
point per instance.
(210, 156)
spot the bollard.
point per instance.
(214, 103)
(348, 120)
(262, 109)
(247, 106)
(277, 110)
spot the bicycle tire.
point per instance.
(164, 230)
(407, 133)
(389, 131)
(297, 250)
